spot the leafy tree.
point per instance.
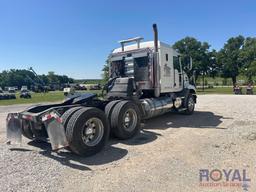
(71, 80)
(213, 67)
(65, 79)
(105, 74)
(52, 77)
(228, 58)
(44, 79)
(203, 59)
(250, 71)
(17, 77)
(248, 57)
(199, 51)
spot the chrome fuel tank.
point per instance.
(156, 106)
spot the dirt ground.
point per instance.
(167, 155)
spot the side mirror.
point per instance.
(187, 63)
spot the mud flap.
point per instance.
(55, 130)
(13, 126)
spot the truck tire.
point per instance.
(109, 108)
(67, 115)
(87, 131)
(125, 119)
(189, 105)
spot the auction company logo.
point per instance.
(224, 178)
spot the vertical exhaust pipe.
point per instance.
(156, 67)
(155, 37)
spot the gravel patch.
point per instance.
(166, 156)
(25, 169)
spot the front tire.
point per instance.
(87, 131)
(189, 105)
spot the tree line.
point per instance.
(21, 77)
(237, 56)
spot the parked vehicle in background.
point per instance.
(2, 96)
(24, 87)
(25, 93)
(237, 90)
(249, 89)
(83, 88)
(6, 94)
(11, 94)
(95, 87)
(69, 91)
(11, 90)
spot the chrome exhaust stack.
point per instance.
(156, 68)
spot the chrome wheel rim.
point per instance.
(93, 131)
(191, 104)
(130, 120)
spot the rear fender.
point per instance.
(55, 130)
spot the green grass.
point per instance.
(57, 96)
(52, 96)
(216, 90)
(222, 81)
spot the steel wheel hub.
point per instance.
(130, 120)
(191, 104)
(93, 131)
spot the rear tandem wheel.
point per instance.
(125, 119)
(87, 131)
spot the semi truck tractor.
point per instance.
(146, 79)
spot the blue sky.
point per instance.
(75, 37)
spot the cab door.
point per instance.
(177, 74)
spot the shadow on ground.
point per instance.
(109, 154)
(199, 119)
(143, 137)
(67, 158)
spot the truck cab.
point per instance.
(154, 66)
(138, 63)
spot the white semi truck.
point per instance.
(146, 80)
